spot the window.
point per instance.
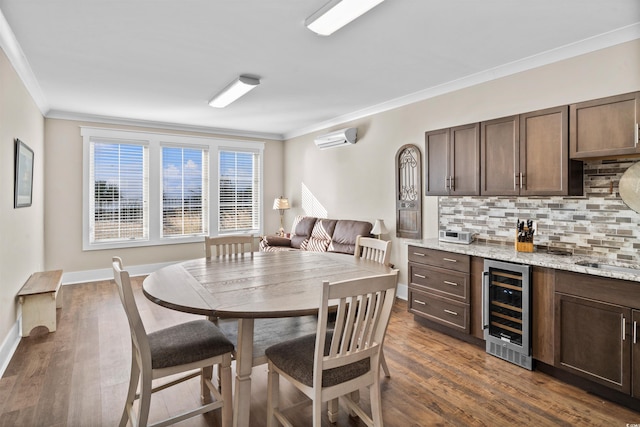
(118, 192)
(185, 193)
(239, 193)
(142, 189)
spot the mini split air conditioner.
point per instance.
(337, 138)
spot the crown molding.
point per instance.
(12, 49)
(67, 115)
(591, 44)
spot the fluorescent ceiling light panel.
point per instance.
(338, 13)
(233, 91)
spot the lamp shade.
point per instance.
(379, 228)
(281, 203)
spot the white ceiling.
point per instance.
(159, 62)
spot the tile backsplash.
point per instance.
(597, 224)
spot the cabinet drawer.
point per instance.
(436, 258)
(446, 283)
(440, 310)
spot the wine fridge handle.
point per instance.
(485, 293)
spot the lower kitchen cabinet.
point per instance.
(439, 287)
(592, 341)
(595, 331)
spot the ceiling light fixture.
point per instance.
(233, 91)
(338, 13)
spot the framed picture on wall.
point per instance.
(24, 175)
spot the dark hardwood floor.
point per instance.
(78, 376)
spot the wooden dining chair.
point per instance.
(373, 249)
(337, 363)
(228, 245)
(379, 251)
(179, 349)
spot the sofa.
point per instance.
(319, 235)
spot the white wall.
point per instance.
(21, 230)
(358, 182)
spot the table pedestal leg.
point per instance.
(244, 363)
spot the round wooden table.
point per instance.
(261, 285)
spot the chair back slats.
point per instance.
(228, 245)
(373, 249)
(364, 308)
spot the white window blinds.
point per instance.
(239, 191)
(185, 191)
(119, 192)
(149, 188)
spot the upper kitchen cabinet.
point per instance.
(452, 158)
(528, 155)
(500, 157)
(606, 127)
(545, 167)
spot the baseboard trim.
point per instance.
(402, 292)
(9, 346)
(107, 273)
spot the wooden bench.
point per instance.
(39, 298)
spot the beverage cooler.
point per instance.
(506, 311)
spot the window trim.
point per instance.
(155, 141)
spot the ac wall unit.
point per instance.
(336, 138)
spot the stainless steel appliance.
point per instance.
(506, 311)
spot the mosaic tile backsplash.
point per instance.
(597, 224)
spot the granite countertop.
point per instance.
(536, 258)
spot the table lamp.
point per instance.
(281, 204)
(379, 228)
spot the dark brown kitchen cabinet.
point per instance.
(500, 156)
(594, 329)
(542, 314)
(452, 157)
(606, 127)
(528, 155)
(439, 288)
(592, 344)
(545, 167)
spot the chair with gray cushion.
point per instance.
(378, 251)
(183, 348)
(337, 363)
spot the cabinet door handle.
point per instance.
(417, 301)
(419, 275)
(419, 254)
(624, 324)
(522, 183)
(635, 332)
(636, 135)
(451, 312)
(452, 183)
(450, 283)
(449, 260)
(515, 181)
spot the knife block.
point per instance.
(524, 246)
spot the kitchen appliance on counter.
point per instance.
(506, 311)
(451, 236)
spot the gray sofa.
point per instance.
(319, 235)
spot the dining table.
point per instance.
(260, 298)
